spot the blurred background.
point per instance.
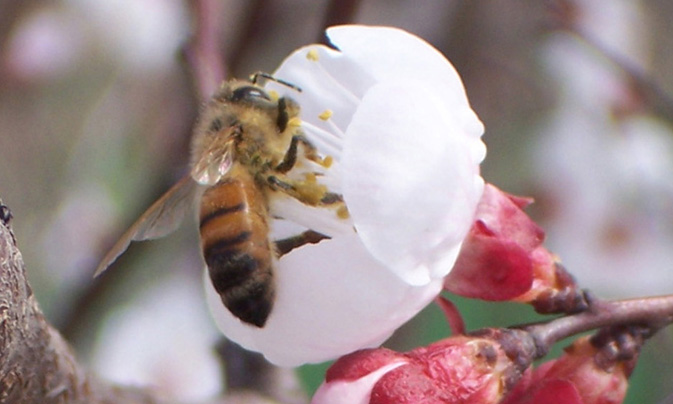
(97, 104)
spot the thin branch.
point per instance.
(203, 53)
(652, 312)
(258, 16)
(652, 93)
(631, 320)
(565, 14)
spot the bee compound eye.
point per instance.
(250, 94)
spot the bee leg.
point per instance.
(290, 159)
(310, 151)
(286, 245)
(278, 184)
(308, 192)
(330, 198)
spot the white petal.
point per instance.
(389, 53)
(321, 219)
(411, 182)
(356, 391)
(332, 299)
(322, 90)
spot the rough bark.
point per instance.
(36, 364)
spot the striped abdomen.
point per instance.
(234, 238)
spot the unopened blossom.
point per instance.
(503, 258)
(459, 369)
(577, 377)
(401, 145)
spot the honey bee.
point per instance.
(245, 144)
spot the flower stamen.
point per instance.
(326, 141)
(349, 94)
(313, 55)
(325, 115)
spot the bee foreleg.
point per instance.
(310, 151)
(290, 159)
(286, 245)
(290, 156)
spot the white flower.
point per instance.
(406, 147)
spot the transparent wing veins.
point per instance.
(216, 160)
(161, 219)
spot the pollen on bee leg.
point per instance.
(274, 95)
(325, 115)
(294, 122)
(312, 55)
(312, 192)
(310, 178)
(326, 161)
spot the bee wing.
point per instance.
(216, 160)
(162, 218)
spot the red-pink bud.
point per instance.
(574, 378)
(503, 258)
(459, 369)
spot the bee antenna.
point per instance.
(261, 78)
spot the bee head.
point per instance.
(250, 94)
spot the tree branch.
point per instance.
(203, 54)
(36, 364)
(652, 313)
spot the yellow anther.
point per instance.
(312, 55)
(325, 115)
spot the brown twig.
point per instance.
(203, 53)
(258, 16)
(646, 87)
(631, 320)
(652, 313)
(565, 14)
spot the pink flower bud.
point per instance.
(459, 369)
(575, 378)
(503, 258)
